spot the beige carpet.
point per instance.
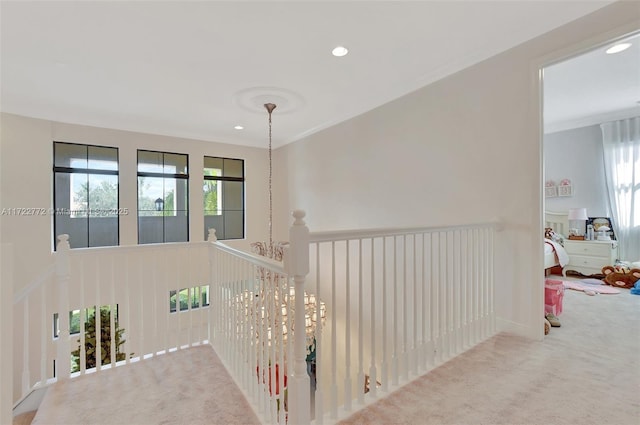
(585, 372)
(186, 387)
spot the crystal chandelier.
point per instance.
(273, 303)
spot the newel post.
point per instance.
(63, 353)
(297, 265)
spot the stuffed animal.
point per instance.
(620, 279)
(635, 290)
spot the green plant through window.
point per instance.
(91, 340)
(190, 298)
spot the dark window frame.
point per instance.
(161, 175)
(230, 179)
(93, 171)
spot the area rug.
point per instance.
(584, 287)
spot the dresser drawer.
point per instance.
(585, 261)
(582, 248)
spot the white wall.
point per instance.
(464, 149)
(577, 155)
(26, 169)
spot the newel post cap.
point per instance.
(63, 242)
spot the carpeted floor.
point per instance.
(585, 372)
(185, 387)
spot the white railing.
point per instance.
(376, 307)
(399, 303)
(156, 295)
(258, 302)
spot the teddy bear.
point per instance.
(620, 279)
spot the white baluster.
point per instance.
(405, 307)
(26, 374)
(348, 395)
(361, 378)
(334, 335)
(394, 356)
(127, 346)
(63, 365)
(424, 307)
(373, 375)
(319, 401)
(113, 306)
(214, 302)
(45, 336)
(298, 267)
(384, 366)
(492, 282)
(414, 344)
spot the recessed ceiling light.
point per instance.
(339, 51)
(239, 127)
(618, 48)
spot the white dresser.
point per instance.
(589, 257)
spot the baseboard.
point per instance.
(503, 325)
(31, 402)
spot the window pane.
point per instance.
(204, 291)
(184, 299)
(103, 195)
(214, 222)
(103, 231)
(172, 301)
(233, 224)
(103, 207)
(233, 168)
(212, 198)
(101, 158)
(176, 226)
(175, 163)
(150, 162)
(195, 297)
(74, 322)
(70, 155)
(232, 195)
(78, 194)
(150, 229)
(150, 190)
(175, 194)
(213, 166)
(72, 223)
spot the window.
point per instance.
(190, 298)
(163, 197)
(74, 319)
(86, 194)
(224, 197)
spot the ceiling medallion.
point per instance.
(253, 99)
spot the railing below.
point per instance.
(399, 302)
(376, 308)
(260, 303)
(146, 300)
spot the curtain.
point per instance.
(621, 143)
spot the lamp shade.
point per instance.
(578, 214)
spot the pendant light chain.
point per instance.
(270, 107)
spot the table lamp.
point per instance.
(577, 219)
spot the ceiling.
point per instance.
(593, 87)
(197, 69)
